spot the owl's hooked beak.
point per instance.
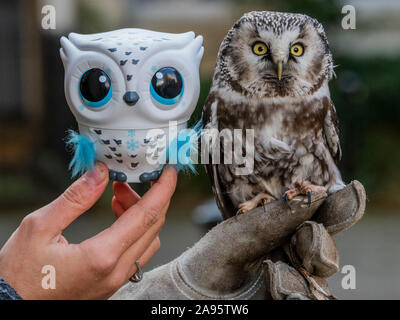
(280, 69)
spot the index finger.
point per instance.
(132, 225)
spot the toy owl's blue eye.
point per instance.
(166, 86)
(95, 88)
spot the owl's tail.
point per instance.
(84, 153)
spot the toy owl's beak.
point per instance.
(280, 69)
(131, 97)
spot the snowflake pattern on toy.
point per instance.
(132, 144)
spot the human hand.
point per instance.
(97, 267)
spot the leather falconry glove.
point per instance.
(271, 252)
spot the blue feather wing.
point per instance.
(84, 156)
(182, 148)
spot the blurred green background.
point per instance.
(34, 116)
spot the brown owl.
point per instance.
(272, 76)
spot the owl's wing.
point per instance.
(224, 203)
(331, 130)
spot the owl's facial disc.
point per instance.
(267, 60)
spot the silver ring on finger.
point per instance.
(138, 275)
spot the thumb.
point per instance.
(77, 199)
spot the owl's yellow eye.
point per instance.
(260, 48)
(297, 50)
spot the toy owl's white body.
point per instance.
(123, 84)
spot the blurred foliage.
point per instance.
(16, 189)
(91, 19)
(366, 94)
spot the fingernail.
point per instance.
(170, 166)
(97, 174)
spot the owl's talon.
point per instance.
(309, 194)
(303, 189)
(263, 201)
(261, 198)
(240, 211)
(287, 200)
(243, 208)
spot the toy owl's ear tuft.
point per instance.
(84, 154)
(196, 49)
(67, 50)
(199, 55)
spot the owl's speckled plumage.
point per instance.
(296, 132)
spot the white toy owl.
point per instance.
(124, 88)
